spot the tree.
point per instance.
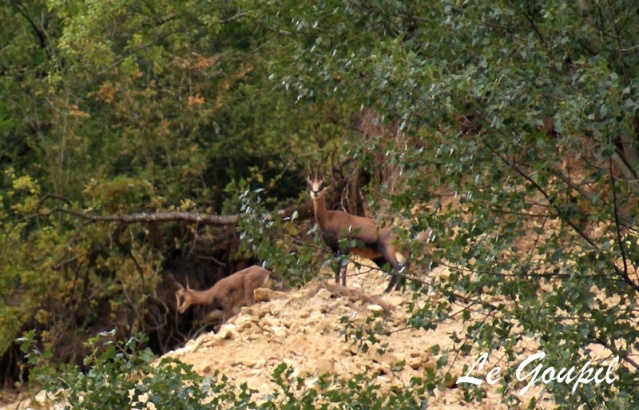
(129, 108)
(520, 121)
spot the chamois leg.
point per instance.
(389, 256)
(392, 283)
(341, 271)
(381, 264)
(248, 295)
(227, 311)
(342, 263)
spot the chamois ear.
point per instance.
(179, 285)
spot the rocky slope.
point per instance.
(302, 329)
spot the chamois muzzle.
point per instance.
(314, 187)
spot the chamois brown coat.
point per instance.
(338, 225)
(227, 293)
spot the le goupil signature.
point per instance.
(586, 375)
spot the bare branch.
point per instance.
(237, 16)
(304, 211)
(596, 249)
(614, 350)
(630, 49)
(153, 217)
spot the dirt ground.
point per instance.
(302, 329)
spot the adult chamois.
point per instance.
(339, 228)
(227, 293)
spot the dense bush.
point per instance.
(121, 375)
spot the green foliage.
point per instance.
(123, 375)
(119, 375)
(509, 129)
(358, 392)
(270, 239)
(125, 107)
(521, 120)
(365, 335)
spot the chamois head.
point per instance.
(315, 186)
(183, 297)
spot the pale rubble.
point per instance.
(302, 329)
(375, 309)
(40, 400)
(323, 294)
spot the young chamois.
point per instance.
(336, 226)
(227, 293)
